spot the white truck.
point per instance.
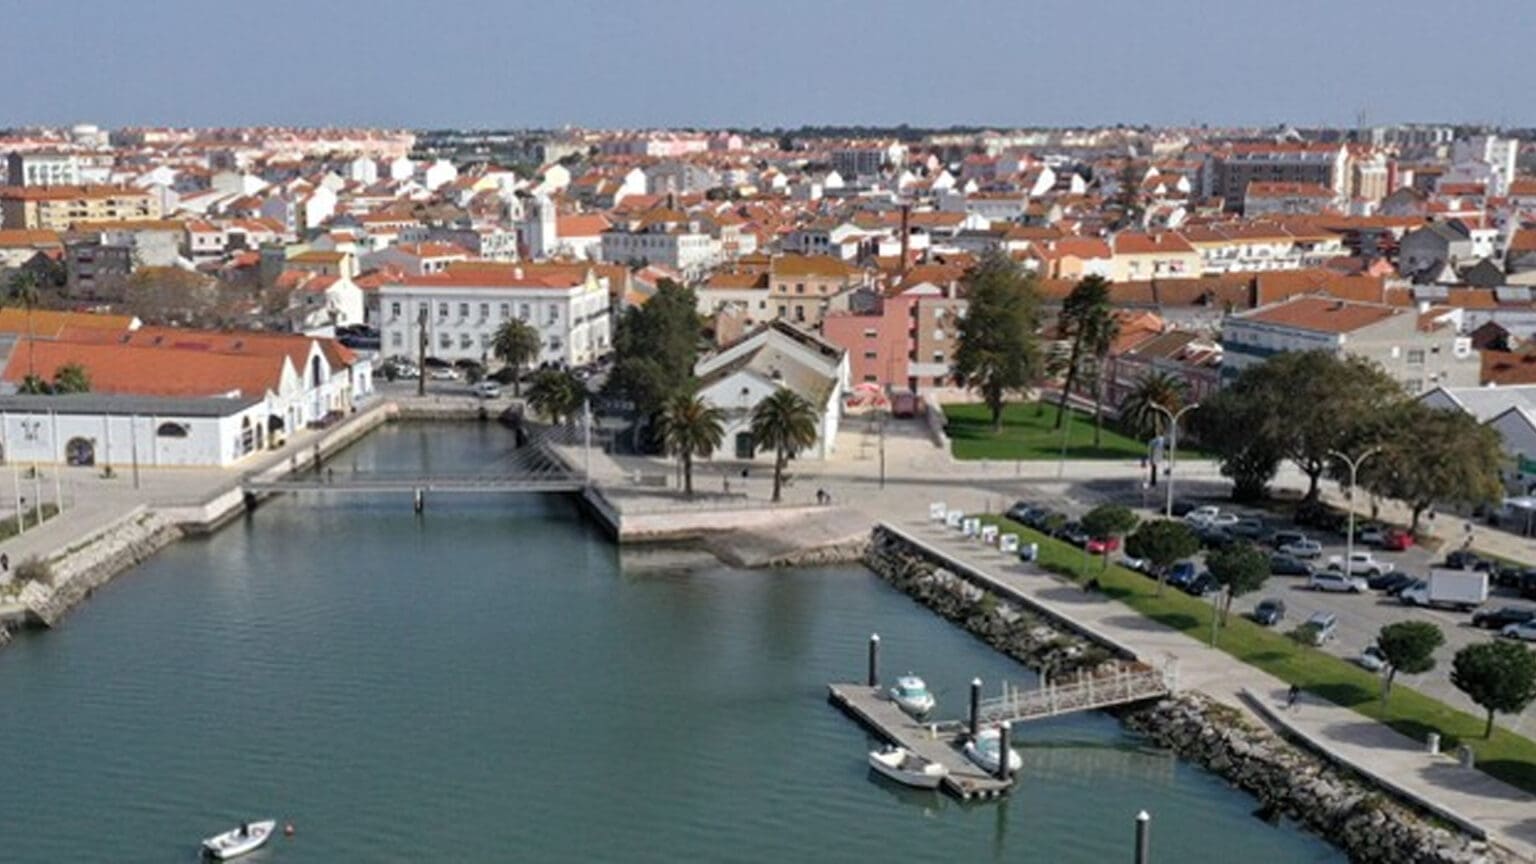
(1360, 564)
(1462, 590)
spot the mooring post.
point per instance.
(1005, 751)
(874, 660)
(418, 499)
(1143, 821)
(975, 707)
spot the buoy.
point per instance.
(288, 830)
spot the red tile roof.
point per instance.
(1323, 314)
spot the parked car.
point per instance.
(1524, 631)
(1332, 580)
(1213, 537)
(1201, 515)
(1498, 619)
(1371, 659)
(1072, 532)
(486, 389)
(1140, 565)
(1181, 573)
(1201, 585)
(1306, 549)
(1182, 507)
(1360, 564)
(443, 373)
(1222, 520)
(1528, 585)
(1038, 517)
(1250, 528)
(1284, 538)
(1269, 612)
(1389, 583)
(1324, 626)
(1370, 534)
(1101, 545)
(1463, 559)
(1281, 564)
(1396, 540)
(1322, 517)
(1017, 511)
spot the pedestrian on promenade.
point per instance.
(5, 563)
(1292, 696)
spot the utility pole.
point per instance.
(882, 450)
(421, 348)
(1173, 448)
(1349, 499)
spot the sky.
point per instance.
(768, 63)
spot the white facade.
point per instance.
(684, 249)
(465, 309)
(776, 355)
(153, 432)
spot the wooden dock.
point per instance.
(871, 707)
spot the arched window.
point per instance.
(172, 430)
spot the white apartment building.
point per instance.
(466, 303)
(43, 169)
(666, 238)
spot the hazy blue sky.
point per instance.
(769, 62)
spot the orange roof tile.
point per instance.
(1323, 314)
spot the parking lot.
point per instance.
(1359, 616)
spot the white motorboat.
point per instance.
(243, 838)
(907, 768)
(911, 694)
(984, 751)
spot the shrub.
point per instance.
(34, 570)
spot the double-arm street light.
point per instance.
(1349, 498)
(1173, 446)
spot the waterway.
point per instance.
(491, 681)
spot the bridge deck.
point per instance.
(1131, 683)
(869, 706)
(464, 484)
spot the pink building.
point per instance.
(909, 341)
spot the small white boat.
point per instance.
(984, 752)
(907, 768)
(912, 696)
(247, 837)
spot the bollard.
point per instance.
(1004, 751)
(874, 660)
(1466, 757)
(1143, 844)
(1432, 743)
(975, 707)
(418, 500)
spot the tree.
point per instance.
(784, 423)
(1128, 195)
(23, 291)
(32, 385)
(1102, 330)
(1305, 404)
(996, 352)
(1431, 455)
(1241, 428)
(557, 394)
(690, 427)
(1408, 647)
(655, 347)
(1161, 389)
(1500, 676)
(1083, 310)
(1109, 520)
(71, 378)
(1162, 543)
(1241, 569)
(516, 344)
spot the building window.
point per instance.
(870, 355)
(938, 356)
(173, 430)
(522, 311)
(442, 310)
(485, 310)
(444, 341)
(466, 341)
(799, 287)
(394, 309)
(870, 333)
(506, 311)
(463, 310)
(554, 312)
(1416, 356)
(872, 379)
(395, 339)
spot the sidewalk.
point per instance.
(1507, 814)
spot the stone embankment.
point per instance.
(1008, 627)
(1344, 809)
(91, 563)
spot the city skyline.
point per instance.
(601, 64)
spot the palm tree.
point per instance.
(786, 424)
(1089, 300)
(557, 394)
(689, 427)
(23, 291)
(1154, 388)
(1103, 328)
(71, 378)
(516, 344)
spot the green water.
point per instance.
(488, 683)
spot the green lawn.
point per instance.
(1031, 434)
(1507, 756)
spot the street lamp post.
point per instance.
(1173, 446)
(1349, 499)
